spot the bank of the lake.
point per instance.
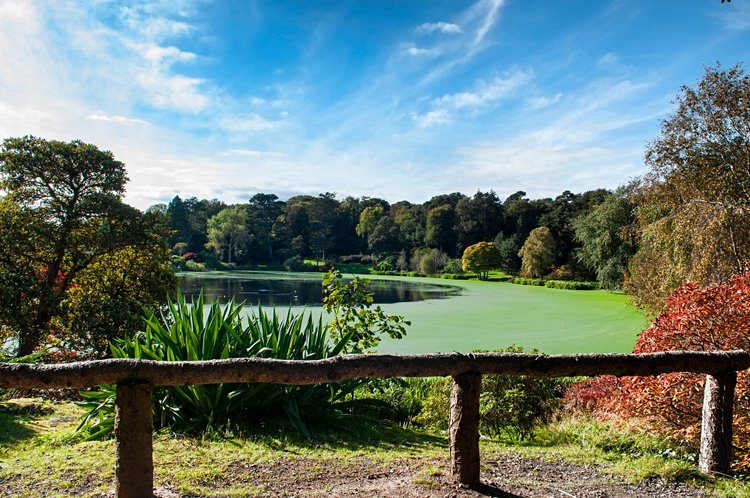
(493, 315)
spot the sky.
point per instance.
(401, 100)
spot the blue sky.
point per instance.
(391, 99)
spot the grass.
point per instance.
(40, 454)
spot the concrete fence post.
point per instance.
(464, 428)
(716, 426)
(134, 445)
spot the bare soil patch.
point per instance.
(503, 475)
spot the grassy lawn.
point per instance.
(40, 455)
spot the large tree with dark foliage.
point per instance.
(61, 219)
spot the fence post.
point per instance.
(464, 428)
(716, 426)
(134, 446)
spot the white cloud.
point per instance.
(252, 153)
(116, 119)
(485, 92)
(156, 54)
(246, 123)
(432, 118)
(608, 58)
(178, 93)
(17, 11)
(415, 51)
(488, 20)
(535, 103)
(475, 23)
(429, 28)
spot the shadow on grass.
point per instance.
(351, 433)
(14, 421)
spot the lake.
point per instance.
(298, 289)
(457, 315)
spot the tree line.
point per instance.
(402, 236)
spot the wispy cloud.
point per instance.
(536, 103)
(415, 51)
(484, 94)
(476, 23)
(429, 28)
(122, 120)
(246, 123)
(432, 118)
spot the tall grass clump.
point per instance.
(195, 332)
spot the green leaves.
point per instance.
(353, 315)
(195, 332)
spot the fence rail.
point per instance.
(135, 378)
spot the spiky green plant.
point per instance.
(193, 332)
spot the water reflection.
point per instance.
(284, 290)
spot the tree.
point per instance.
(479, 218)
(693, 208)
(481, 258)
(264, 209)
(439, 232)
(537, 253)
(606, 243)
(322, 218)
(227, 232)
(61, 216)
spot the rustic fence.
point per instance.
(135, 378)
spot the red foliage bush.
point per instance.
(699, 319)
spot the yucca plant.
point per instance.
(193, 332)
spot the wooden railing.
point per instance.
(135, 378)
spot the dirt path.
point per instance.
(504, 476)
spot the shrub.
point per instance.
(187, 332)
(453, 266)
(511, 405)
(527, 281)
(295, 263)
(571, 285)
(433, 262)
(699, 319)
(387, 263)
(563, 272)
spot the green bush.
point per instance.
(510, 405)
(435, 413)
(188, 332)
(514, 405)
(526, 281)
(571, 285)
(454, 266)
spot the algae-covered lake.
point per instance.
(453, 315)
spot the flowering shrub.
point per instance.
(699, 319)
